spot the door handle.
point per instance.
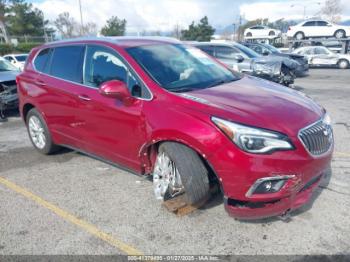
(84, 97)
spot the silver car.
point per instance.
(321, 56)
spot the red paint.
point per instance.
(124, 131)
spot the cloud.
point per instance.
(287, 9)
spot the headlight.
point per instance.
(253, 140)
(327, 119)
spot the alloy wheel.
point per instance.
(166, 178)
(37, 132)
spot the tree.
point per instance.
(90, 29)
(22, 18)
(3, 30)
(114, 27)
(198, 32)
(332, 10)
(66, 25)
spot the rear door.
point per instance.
(310, 29)
(61, 78)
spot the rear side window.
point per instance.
(67, 62)
(311, 23)
(41, 60)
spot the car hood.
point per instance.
(272, 59)
(257, 102)
(8, 75)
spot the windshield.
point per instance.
(178, 68)
(6, 66)
(249, 52)
(21, 58)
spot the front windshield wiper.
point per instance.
(181, 89)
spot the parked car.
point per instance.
(158, 107)
(261, 31)
(269, 50)
(318, 28)
(18, 60)
(322, 56)
(243, 59)
(8, 87)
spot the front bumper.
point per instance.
(238, 171)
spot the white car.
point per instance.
(317, 28)
(18, 60)
(261, 31)
(322, 56)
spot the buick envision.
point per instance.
(157, 107)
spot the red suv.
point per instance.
(158, 107)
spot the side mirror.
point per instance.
(239, 58)
(115, 89)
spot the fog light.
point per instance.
(268, 185)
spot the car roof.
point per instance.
(122, 41)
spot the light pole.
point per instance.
(81, 19)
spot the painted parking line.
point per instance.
(342, 154)
(125, 248)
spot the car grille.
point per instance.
(317, 138)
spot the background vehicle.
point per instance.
(317, 28)
(322, 56)
(18, 60)
(261, 31)
(245, 60)
(269, 50)
(161, 108)
(8, 87)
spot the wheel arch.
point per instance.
(25, 109)
(148, 154)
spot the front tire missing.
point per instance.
(192, 174)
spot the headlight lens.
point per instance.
(253, 140)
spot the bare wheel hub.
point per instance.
(37, 132)
(166, 178)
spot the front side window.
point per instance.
(208, 49)
(21, 58)
(178, 68)
(322, 23)
(102, 65)
(321, 51)
(66, 63)
(225, 52)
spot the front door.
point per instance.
(112, 129)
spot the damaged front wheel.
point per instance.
(179, 170)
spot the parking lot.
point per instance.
(69, 203)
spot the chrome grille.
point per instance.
(317, 138)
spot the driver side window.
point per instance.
(102, 65)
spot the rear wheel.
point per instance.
(299, 36)
(249, 34)
(271, 33)
(39, 133)
(343, 64)
(339, 34)
(179, 170)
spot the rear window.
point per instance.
(41, 60)
(66, 63)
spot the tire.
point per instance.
(193, 173)
(249, 34)
(343, 64)
(45, 145)
(339, 34)
(272, 33)
(299, 36)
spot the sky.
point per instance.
(163, 15)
